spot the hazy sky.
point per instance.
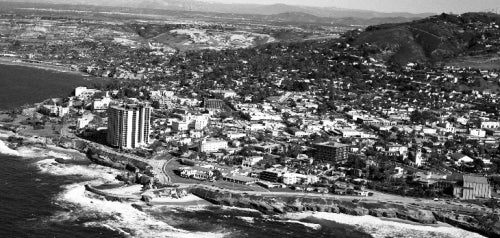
(414, 6)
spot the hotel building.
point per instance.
(129, 125)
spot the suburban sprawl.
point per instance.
(337, 119)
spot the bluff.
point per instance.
(433, 39)
(485, 224)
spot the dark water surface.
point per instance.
(20, 85)
(27, 203)
(239, 223)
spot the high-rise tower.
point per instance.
(129, 125)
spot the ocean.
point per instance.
(42, 198)
(20, 85)
(27, 204)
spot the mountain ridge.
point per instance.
(199, 6)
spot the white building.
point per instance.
(101, 104)
(83, 122)
(212, 145)
(490, 125)
(429, 131)
(129, 125)
(477, 132)
(251, 161)
(84, 93)
(224, 93)
(161, 94)
(199, 122)
(55, 110)
(295, 178)
(349, 133)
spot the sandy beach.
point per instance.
(17, 62)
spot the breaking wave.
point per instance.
(379, 228)
(93, 211)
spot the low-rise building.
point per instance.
(212, 145)
(471, 187)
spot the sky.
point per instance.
(413, 6)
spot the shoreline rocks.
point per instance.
(488, 225)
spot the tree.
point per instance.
(478, 164)
(184, 148)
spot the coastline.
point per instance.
(368, 223)
(56, 168)
(57, 68)
(383, 227)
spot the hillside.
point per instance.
(434, 39)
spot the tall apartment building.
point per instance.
(333, 152)
(129, 125)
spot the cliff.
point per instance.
(485, 224)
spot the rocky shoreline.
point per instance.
(482, 223)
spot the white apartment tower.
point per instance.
(129, 125)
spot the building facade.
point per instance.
(212, 145)
(472, 187)
(129, 125)
(333, 152)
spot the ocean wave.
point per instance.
(4, 149)
(92, 211)
(119, 216)
(246, 219)
(99, 173)
(379, 228)
(306, 224)
(31, 152)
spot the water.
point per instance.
(20, 85)
(27, 205)
(240, 223)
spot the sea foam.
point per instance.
(4, 149)
(120, 217)
(379, 228)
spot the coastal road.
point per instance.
(158, 163)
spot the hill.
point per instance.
(432, 40)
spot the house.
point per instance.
(240, 179)
(101, 104)
(461, 158)
(477, 132)
(251, 161)
(224, 93)
(196, 173)
(490, 124)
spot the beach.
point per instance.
(44, 66)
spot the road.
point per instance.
(158, 163)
